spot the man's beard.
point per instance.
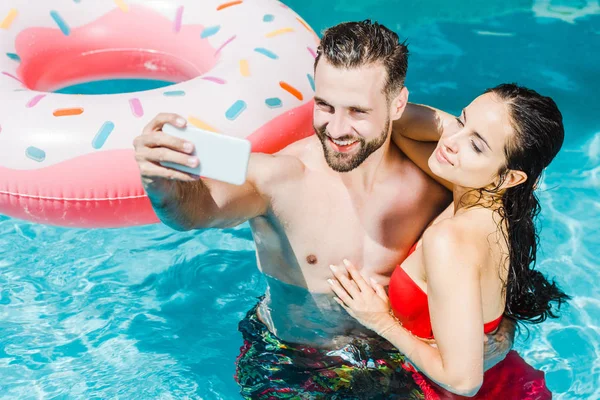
(343, 162)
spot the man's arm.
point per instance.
(206, 203)
(183, 201)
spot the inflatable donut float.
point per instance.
(242, 68)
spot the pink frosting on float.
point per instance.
(111, 46)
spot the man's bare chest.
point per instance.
(323, 227)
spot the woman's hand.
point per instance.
(367, 302)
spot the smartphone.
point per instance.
(223, 158)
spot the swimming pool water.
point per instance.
(148, 312)
(112, 86)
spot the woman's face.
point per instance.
(471, 152)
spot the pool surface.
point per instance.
(150, 313)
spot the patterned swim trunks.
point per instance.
(269, 368)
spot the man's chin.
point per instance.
(341, 161)
(341, 164)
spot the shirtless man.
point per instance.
(345, 192)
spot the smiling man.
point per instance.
(344, 192)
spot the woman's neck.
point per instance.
(465, 198)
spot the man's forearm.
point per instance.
(185, 206)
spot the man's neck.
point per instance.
(366, 174)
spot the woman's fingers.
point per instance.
(340, 292)
(348, 284)
(379, 289)
(357, 276)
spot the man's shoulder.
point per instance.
(296, 157)
(287, 165)
(300, 149)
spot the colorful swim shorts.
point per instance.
(269, 368)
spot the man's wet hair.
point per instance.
(356, 44)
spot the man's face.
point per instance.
(351, 114)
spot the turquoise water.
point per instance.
(147, 312)
(112, 86)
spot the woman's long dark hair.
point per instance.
(539, 135)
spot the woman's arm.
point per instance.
(419, 153)
(454, 295)
(418, 132)
(421, 123)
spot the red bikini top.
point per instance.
(411, 307)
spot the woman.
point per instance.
(474, 263)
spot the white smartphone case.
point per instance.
(223, 158)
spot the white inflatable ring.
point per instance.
(245, 69)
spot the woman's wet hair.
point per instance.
(538, 136)
(357, 44)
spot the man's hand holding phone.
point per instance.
(168, 151)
